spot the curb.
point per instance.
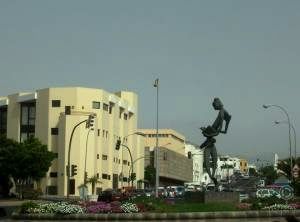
(159, 216)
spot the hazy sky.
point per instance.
(245, 52)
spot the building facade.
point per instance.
(51, 115)
(196, 154)
(174, 167)
(167, 138)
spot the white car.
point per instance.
(263, 193)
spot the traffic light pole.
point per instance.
(86, 146)
(131, 162)
(69, 158)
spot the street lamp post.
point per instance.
(89, 123)
(295, 137)
(69, 158)
(289, 123)
(156, 148)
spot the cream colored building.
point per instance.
(174, 167)
(167, 138)
(44, 114)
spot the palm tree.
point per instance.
(93, 180)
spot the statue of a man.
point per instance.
(210, 132)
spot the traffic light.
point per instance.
(90, 121)
(118, 144)
(189, 155)
(73, 170)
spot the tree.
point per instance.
(6, 154)
(93, 180)
(149, 175)
(25, 162)
(132, 177)
(252, 172)
(269, 173)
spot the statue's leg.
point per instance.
(214, 156)
(207, 165)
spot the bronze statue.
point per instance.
(210, 151)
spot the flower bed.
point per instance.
(80, 208)
(279, 207)
(56, 208)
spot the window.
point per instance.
(104, 157)
(97, 156)
(96, 105)
(98, 175)
(120, 112)
(103, 133)
(104, 176)
(124, 179)
(3, 120)
(106, 134)
(72, 186)
(27, 127)
(119, 161)
(165, 155)
(99, 132)
(105, 107)
(53, 174)
(128, 163)
(55, 103)
(125, 116)
(54, 131)
(110, 108)
(125, 162)
(68, 110)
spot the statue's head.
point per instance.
(217, 104)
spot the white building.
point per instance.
(197, 156)
(226, 167)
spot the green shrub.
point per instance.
(27, 206)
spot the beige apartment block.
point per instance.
(168, 138)
(243, 166)
(51, 114)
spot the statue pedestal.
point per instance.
(224, 197)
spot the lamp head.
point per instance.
(140, 134)
(266, 106)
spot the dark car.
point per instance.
(138, 193)
(110, 195)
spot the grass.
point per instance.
(161, 205)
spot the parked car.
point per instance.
(190, 188)
(175, 191)
(162, 192)
(244, 196)
(179, 191)
(210, 187)
(263, 193)
(138, 193)
(149, 192)
(110, 195)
